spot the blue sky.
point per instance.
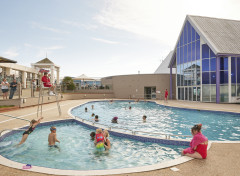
(99, 37)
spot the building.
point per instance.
(147, 86)
(83, 82)
(163, 67)
(10, 70)
(207, 59)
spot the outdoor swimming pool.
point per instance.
(216, 125)
(77, 152)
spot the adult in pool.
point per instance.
(33, 124)
(107, 143)
(198, 145)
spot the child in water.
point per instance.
(96, 118)
(33, 124)
(52, 137)
(144, 118)
(99, 140)
(92, 134)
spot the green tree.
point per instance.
(68, 82)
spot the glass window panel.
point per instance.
(198, 49)
(198, 93)
(206, 93)
(185, 34)
(213, 93)
(181, 55)
(223, 63)
(178, 56)
(238, 90)
(233, 90)
(189, 52)
(181, 39)
(189, 32)
(197, 36)
(178, 44)
(193, 34)
(213, 64)
(193, 52)
(186, 93)
(185, 53)
(212, 53)
(205, 65)
(213, 77)
(224, 93)
(223, 77)
(194, 93)
(179, 93)
(185, 74)
(182, 94)
(190, 93)
(194, 73)
(198, 72)
(205, 77)
(205, 51)
(233, 70)
(238, 70)
(178, 79)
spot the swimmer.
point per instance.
(144, 118)
(92, 106)
(93, 114)
(99, 140)
(33, 125)
(130, 107)
(115, 120)
(107, 143)
(85, 109)
(52, 137)
(92, 134)
(96, 118)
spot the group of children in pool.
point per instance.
(197, 149)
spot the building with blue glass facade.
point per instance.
(207, 60)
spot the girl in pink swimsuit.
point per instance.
(198, 145)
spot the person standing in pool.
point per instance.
(96, 118)
(52, 137)
(92, 106)
(107, 143)
(144, 118)
(198, 145)
(33, 125)
(85, 109)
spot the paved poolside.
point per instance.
(223, 159)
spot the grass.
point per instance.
(6, 106)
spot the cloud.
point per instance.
(11, 53)
(159, 20)
(80, 25)
(105, 41)
(43, 27)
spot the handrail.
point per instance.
(11, 130)
(14, 117)
(167, 136)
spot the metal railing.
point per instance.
(96, 124)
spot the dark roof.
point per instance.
(5, 60)
(45, 61)
(221, 35)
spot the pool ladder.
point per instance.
(40, 99)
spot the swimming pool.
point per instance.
(216, 125)
(77, 152)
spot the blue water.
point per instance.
(77, 152)
(216, 125)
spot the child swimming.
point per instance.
(99, 140)
(33, 124)
(144, 118)
(52, 137)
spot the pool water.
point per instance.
(77, 152)
(216, 125)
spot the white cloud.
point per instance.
(160, 20)
(43, 27)
(80, 25)
(105, 41)
(11, 53)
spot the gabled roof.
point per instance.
(45, 61)
(163, 67)
(5, 60)
(83, 77)
(221, 35)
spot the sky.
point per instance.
(100, 37)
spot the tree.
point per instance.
(68, 82)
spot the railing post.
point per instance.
(19, 90)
